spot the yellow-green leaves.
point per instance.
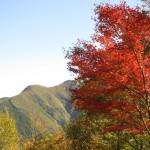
(9, 139)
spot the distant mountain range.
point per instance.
(40, 109)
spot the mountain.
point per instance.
(40, 109)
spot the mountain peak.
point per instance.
(27, 88)
(33, 86)
(38, 104)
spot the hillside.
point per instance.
(40, 109)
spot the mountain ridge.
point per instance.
(37, 105)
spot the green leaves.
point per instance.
(85, 132)
(9, 138)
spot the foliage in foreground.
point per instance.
(87, 132)
(9, 139)
(49, 142)
(81, 133)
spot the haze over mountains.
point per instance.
(39, 108)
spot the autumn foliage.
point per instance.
(113, 70)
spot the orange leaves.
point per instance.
(115, 76)
(124, 23)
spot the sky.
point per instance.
(33, 35)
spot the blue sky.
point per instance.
(32, 36)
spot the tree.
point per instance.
(9, 139)
(48, 142)
(113, 70)
(86, 132)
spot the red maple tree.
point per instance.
(114, 68)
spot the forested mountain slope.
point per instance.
(40, 109)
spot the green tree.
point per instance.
(88, 132)
(9, 139)
(49, 142)
(85, 132)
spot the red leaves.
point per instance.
(115, 77)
